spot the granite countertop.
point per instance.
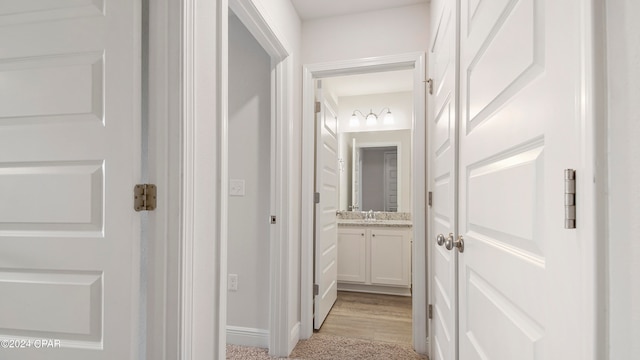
(374, 223)
(382, 219)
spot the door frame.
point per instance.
(202, 160)
(415, 61)
(281, 71)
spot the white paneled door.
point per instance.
(520, 284)
(326, 236)
(69, 158)
(520, 279)
(442, 126)
(390, 181)
(356, 176)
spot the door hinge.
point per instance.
(316, 289)
(144, 197)
(430, 198)
(316, 198)
(273, 219)
(569, 199)
(430, 311)
(430, 86)
(317, 106)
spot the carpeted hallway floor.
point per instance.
(330, 347)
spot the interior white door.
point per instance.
(391, 181)
(519, 280)
(326, 241)
(443, 178)
(69, 159)
(356, 176)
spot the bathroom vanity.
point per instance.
(374, 255)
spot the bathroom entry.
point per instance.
(369, 279)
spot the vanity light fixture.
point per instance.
(371, 118)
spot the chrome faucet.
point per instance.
(370, 216)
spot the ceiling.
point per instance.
(314, 9)
(374, 83)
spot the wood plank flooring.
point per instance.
(370, 316)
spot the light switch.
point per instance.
(236, 187)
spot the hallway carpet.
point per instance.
(330, 347)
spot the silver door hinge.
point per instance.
(144, 197)
(569, 199)
(316, 289)
(430, 86)
(316, 198)
(430, 311)
(273, 219)
(317, 106)
(430, 198)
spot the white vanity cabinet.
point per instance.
(374, 259)
(352, 259)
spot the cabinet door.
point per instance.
(390, 257)
(352, 255)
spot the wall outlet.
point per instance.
(232, 282)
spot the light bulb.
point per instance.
(388, 118)
(371, 119)
(354, 121)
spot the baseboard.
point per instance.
(294, 337)
(375, 289)
(237, 335)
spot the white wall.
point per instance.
(249, 160)
(623, 59)
(392, 31)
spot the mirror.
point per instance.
(374, 178)
(375, 171)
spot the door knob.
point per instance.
(440, 239)
(450, 243)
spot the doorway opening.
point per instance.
(365, 250)
(270, 178)
(250, 160)
(363, 269)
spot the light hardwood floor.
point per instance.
(371, 317)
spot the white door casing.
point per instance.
(69, 158)
(326, 240)
(443, 179)
(416, 62)
(519, 276)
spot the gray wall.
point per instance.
(249, 158)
